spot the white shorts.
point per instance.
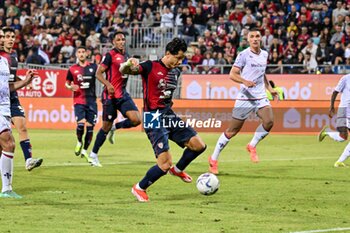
(343, 117)
(5, 123)
(243, 108)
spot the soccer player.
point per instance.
(7, 142)
(343, 116)
(114, 97)
(159, 83)
(248, 70)
(81, 80)
(17, 112)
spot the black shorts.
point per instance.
(16, 108)
(123, 105)
(175, 132)
(87, 112)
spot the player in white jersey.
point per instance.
(7, 142)
(343, 118)
(248, 70)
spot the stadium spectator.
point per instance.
(310, 65)
(337, 54)
(188, 31)
(323, 53)
(267, 40)
(207, 63)
(276, 61)
(338, 35)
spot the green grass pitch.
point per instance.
(294, 188)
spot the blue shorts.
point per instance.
(86, 111)
(159, 136)
(123, 105)
(16, 108)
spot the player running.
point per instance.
(7, 142)
(343, 118)
(114, 97)
(17, 112)
(81, 80)
(248, 70)
(159, 83)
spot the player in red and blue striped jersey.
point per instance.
(81, 78)
(18, 118)
(159, 83)
(114, 97)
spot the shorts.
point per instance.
(343, 117)
(159, 137)
(110, 107)
(5, 123)
(86, 111)
(16, 108)
(243, 108)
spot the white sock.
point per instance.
(93, 155)
(345, 154)
(220, 145)
(83, 151)
(260, 134)
(177, 170)
(79, 143)
(6, 170)
(335, 135)
(138, 187)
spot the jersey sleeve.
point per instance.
(145, 68)
(240, 61)
(106, 61)
(69, 76)
(341, 85)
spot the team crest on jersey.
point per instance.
(91, 69)
(76, 71)
(160, 73)
(160, 145)
(118, 59)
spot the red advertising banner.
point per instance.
(296, 87)
(301, 117)
(50, 83)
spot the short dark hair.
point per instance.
(117, 33)
(272, 84)
(175, 46)
(81, 47)
(254, 30)
(8, 29)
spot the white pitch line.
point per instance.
(324, 230)
(65, 164)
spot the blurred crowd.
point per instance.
(314, 34)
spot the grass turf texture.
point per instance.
(294, 188)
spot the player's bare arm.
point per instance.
(331, 108)
(71, 86)
(269, 88)
(99, 76)
(131, 66)
(235, 75)
(30, 74)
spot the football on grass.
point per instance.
(207, 184)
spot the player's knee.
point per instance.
(165, 165)
(268, 125)
(344, 135)
(9, 146)
(22, 129)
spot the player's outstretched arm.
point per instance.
(131, 66)
(269, 88)
(331, 108)
(235, 75)
(30, 74)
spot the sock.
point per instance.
(334, 135)
(88, 136)
(220, 145)
(152, 175)
(123, 124)
(100, 139)
(80, 131)
(113, 127)
(345, 154)
(187, 157)
(26, 148)
(259, 135)
(6, 170)
(93, 155)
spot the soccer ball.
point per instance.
(207, 184)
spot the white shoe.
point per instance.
(33, 163)
(111, 136)
(94, 161)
